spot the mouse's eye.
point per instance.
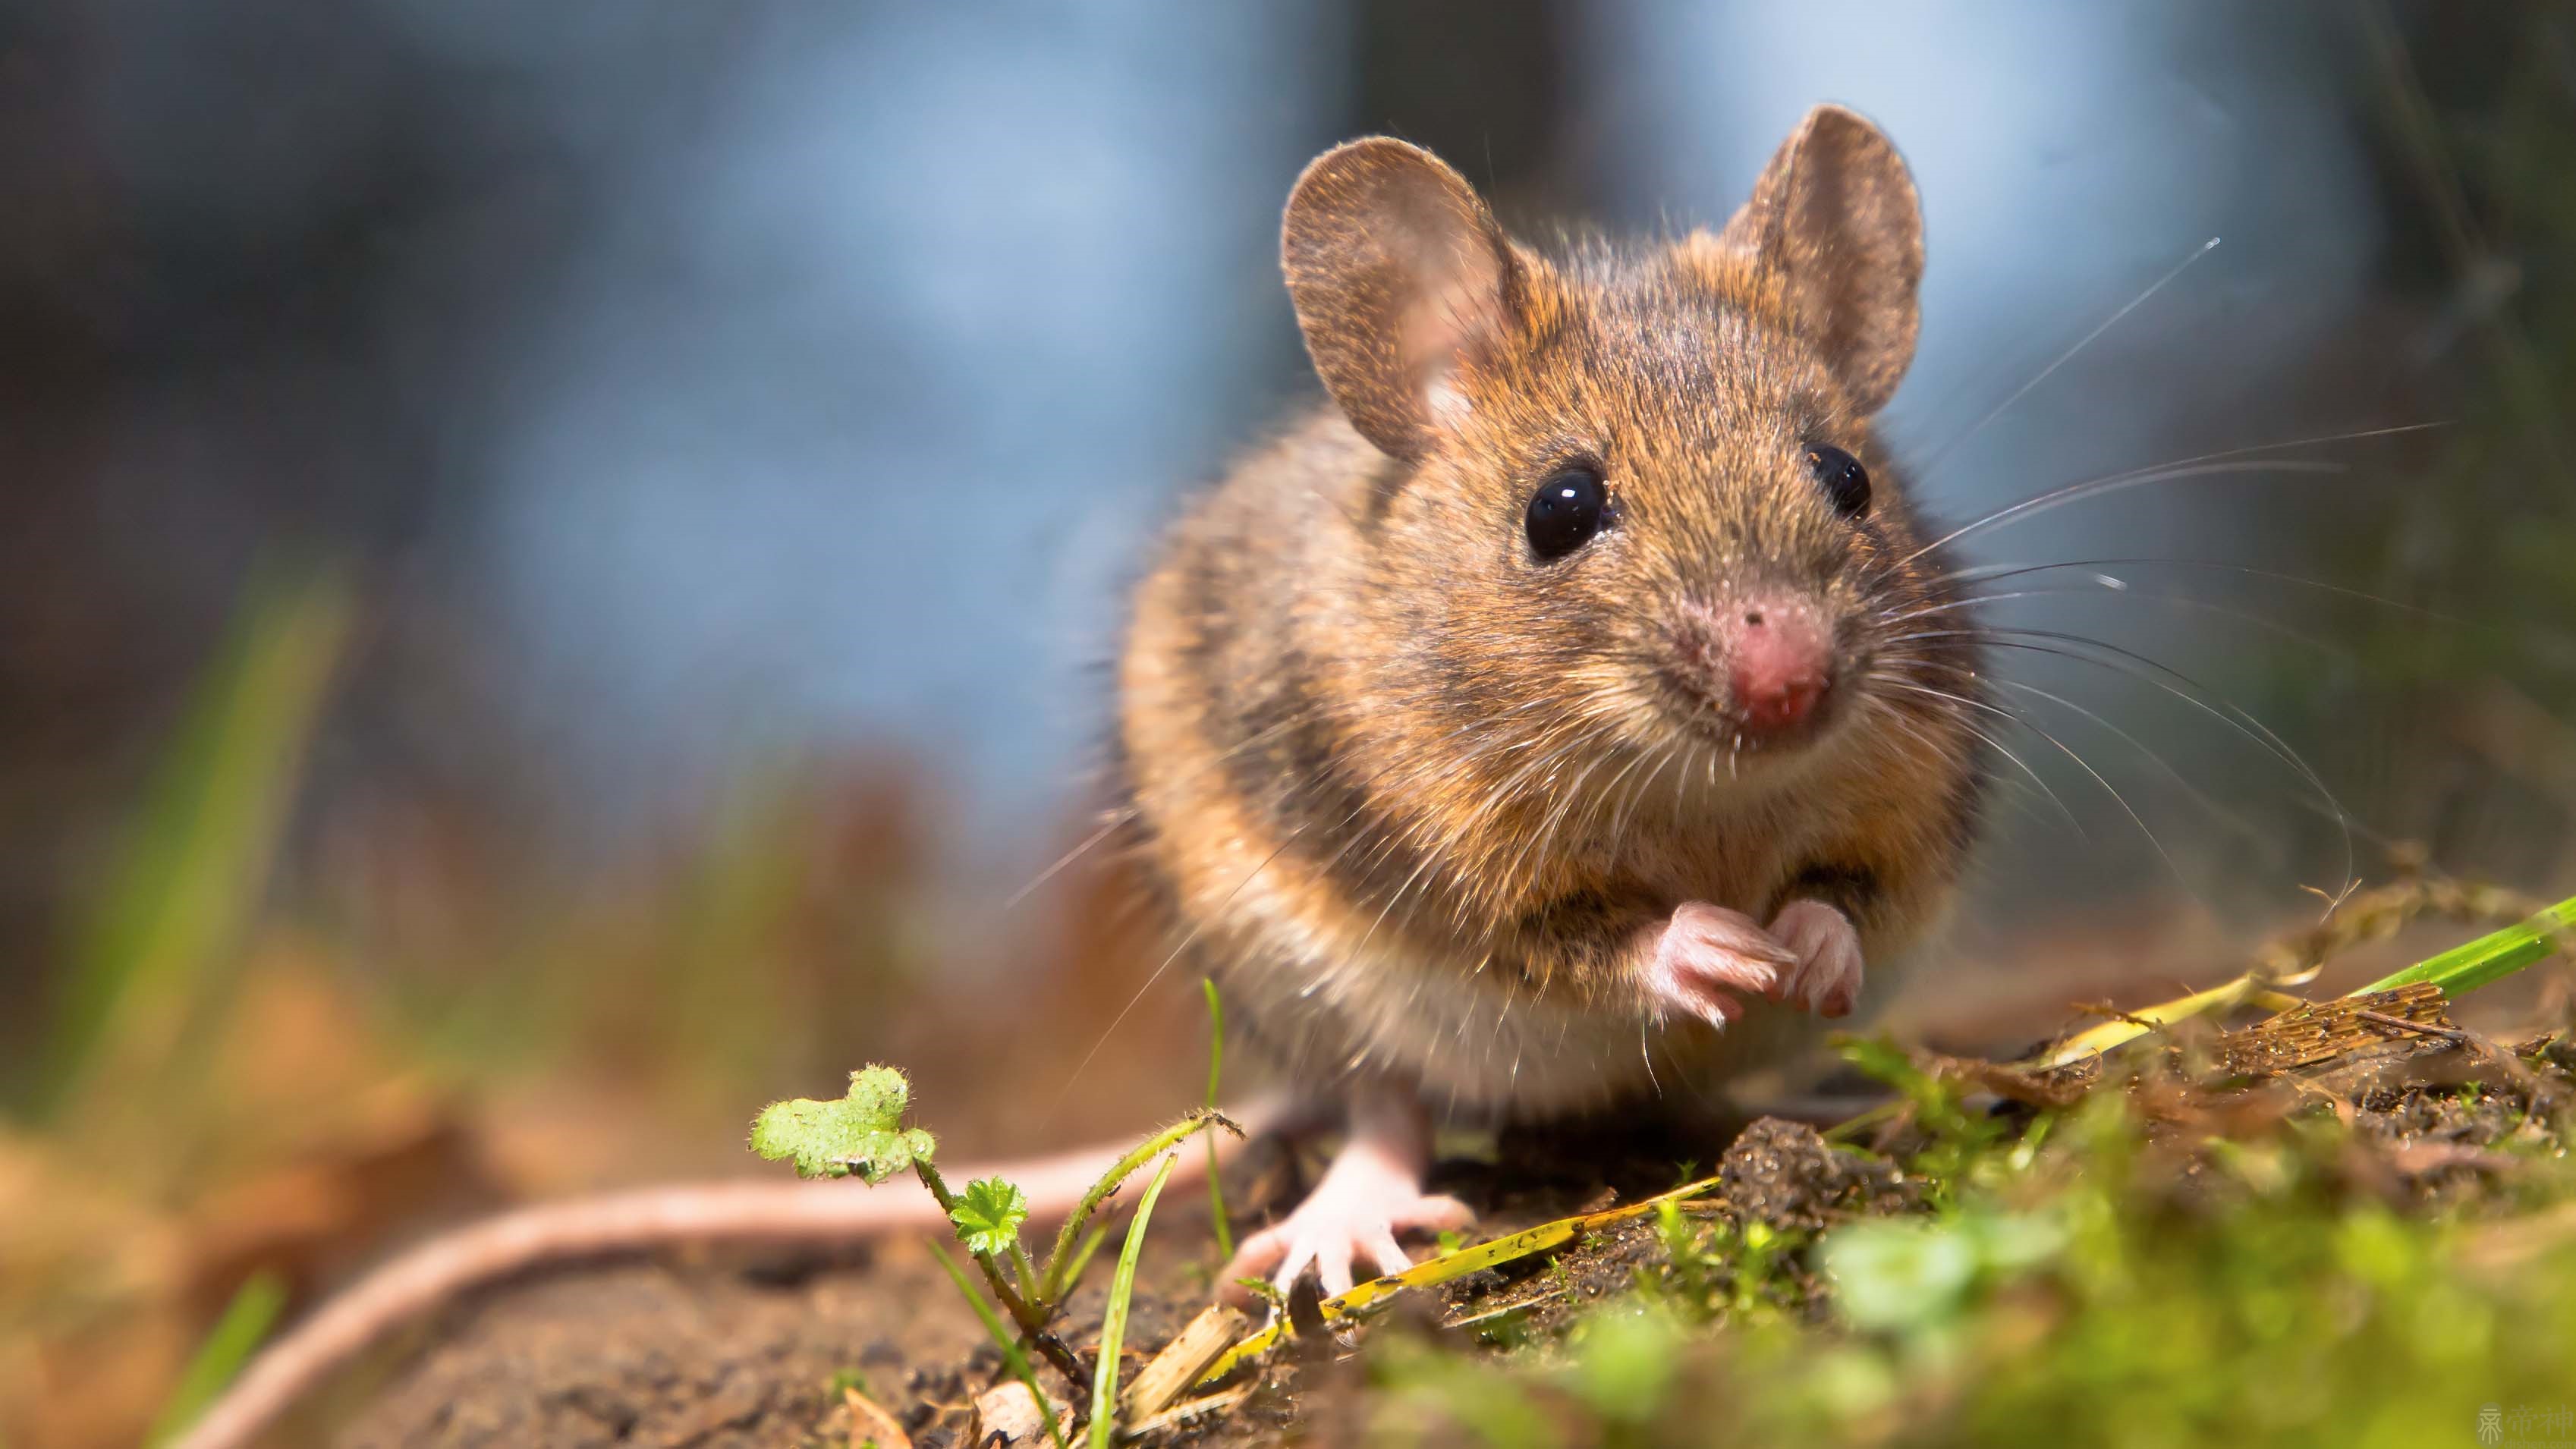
(1566, 511)
(1845, 481)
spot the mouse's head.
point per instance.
(1636, 482)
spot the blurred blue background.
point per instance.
(697, 391)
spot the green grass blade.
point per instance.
(1216, 1073)
(1059, 1262)
(2489, 958)
(1113, 1327)
(1082, 1256)
(153, 954)
(228, 1345)
(1216, 1039)
(1002, 1339)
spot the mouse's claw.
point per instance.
(1826, 978)
(1706, 957)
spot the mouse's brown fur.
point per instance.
(1416, 794)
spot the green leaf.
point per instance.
(988, 1216)
(863, 1132)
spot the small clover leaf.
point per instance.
(863, 1132)
(988, 1216)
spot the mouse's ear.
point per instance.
(1397, 270)
(1836, 216)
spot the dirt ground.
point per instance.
(732, 1352)
(729, 1351)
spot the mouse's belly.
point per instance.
(1479, 1043)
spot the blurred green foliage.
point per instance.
(171, 924)
(2089, 1293)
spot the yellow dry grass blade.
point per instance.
(2460, 970)
(1448, 1267)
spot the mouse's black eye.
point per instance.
(1845, 481)
(1566, 511)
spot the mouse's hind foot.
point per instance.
(1371, 1193)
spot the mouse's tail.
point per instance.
(438, 1271)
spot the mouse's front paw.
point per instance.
(1349, 1218)
(1707, 957)
(1826, 978)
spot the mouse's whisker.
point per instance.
(1121, 817)
(1502, 883)
(2129, 663)
(1889, 714)
(1999, 747)
(1618, 827)
(1583, 734)
(2250, 459)
(1187, 940)
(2262, 839)
(2110, 483)
(2108, 788)
(1996, 572)
(2156, 596)
(1571, 801)
(1627, 809)
(2063, 358)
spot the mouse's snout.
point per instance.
(1766, 660)
(1783, 663)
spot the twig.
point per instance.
(869, 1421)
(1177, 1413)
(2451, 1034)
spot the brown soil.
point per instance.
(732, 1353)
(729, 1353)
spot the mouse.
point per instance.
(1540, 717)
(1533, 727)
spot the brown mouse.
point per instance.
(1545, 704)
(1542, 708)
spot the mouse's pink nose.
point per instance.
(1783, 663)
